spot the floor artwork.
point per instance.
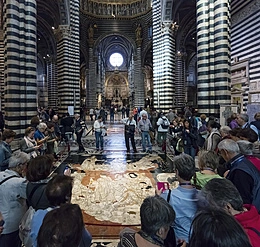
(105, 243)
(113, 192)
(110, 191)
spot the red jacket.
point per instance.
(254, 160)
(250, 219)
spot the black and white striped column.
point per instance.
(163, 60)
(139, 98)
(52, 83)
(68, 61)
(20, 63)
(213, 49)
(91, 90)
(180, 84)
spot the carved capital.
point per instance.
(169, 27)
(62, 31)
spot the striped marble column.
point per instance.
(91, 90)
(68, 61)
(213, 49)
(20, 63)
(180, 84)
(2, 69)
(139, 99)
(163, 60)
(52, 83)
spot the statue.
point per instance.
(138, 32)
(90, 32)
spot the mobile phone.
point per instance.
(162, 185)
(2, 222)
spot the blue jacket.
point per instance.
(5, 154)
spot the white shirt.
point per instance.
(98, 125)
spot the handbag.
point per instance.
(25, 227)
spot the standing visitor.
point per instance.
(13, 198)
(28, 143)
(98, 126)
(163, 127)
(79, 127)
(144, 125)
(91, 114)
(130, 126)
(5, 148)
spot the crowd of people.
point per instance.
(215, 204)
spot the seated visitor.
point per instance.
(222, 194)
(156, 218)
(62, 227)
(208, 164)
(183, 199)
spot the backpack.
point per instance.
(165, 124)
(25, 227)
(25, 223)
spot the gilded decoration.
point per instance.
(117, 87)
(123, 8)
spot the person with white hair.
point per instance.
(41, 137)
(243, 174)
(242, 120)
(13, 198)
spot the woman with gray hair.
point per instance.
(208, 163)
(13, 198)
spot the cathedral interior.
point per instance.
(162, 54)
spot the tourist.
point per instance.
(61, 227)
(13, 198)
(130, 128)
(28, 143)
(144, 126)
(183, 199)
(156, 218)
(5, 148)
(215, 228)
(222, 194)
(98, 126)
(79, 128)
